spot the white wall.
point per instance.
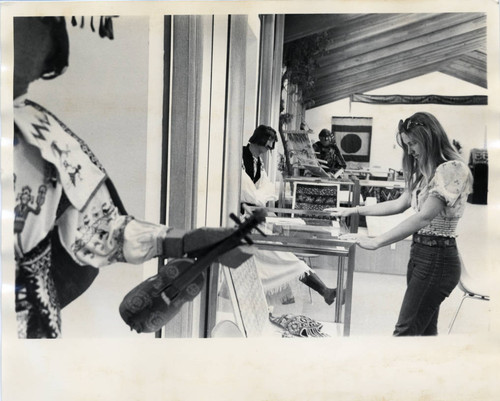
(467, 124)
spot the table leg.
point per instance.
(340, 289)
(348, 289)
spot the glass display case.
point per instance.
(238, 304)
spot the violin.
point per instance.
(155, 301)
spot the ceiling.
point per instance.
(370, 51)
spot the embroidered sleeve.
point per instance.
(141, 241)
(99, 235)
(451, 180)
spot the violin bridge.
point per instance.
(165, 298)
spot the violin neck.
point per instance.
(204, 261)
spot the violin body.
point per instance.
(154, 302)
(146, 309)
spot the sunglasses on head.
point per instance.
(408, 124)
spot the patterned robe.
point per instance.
(68, 220)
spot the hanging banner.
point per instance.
(423, 99)
(353, 136)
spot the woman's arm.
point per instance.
(388, 208)
(430, 209)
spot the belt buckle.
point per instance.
(430, 242)
(420, 239)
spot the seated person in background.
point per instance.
(276, 269)
(256, 188)
(326, 149)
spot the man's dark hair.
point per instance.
(262, 135)
(324, 133)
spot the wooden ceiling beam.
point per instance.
(483, 49)
(401, 35)
(475, 59)
(463, 69)
(466, 76)
(420, 44)
(342, 89)
(334, 95)
(407, 61)
(298, 26)
(370, 51)
(373, 25)
(344, 26)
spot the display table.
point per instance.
(318, 240)
(346, 195)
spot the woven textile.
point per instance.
(298, 325)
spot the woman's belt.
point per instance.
(434, 240)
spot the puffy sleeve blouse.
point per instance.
(452, 182)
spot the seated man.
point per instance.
(326, 149)
(276, 269)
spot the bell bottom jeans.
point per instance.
(433, 273)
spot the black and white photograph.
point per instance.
(249, 200)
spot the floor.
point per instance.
(376, 302)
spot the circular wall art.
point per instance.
(351, 143)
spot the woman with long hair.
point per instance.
(437, 185)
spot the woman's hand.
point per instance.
(341, 211)
(370, 243)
